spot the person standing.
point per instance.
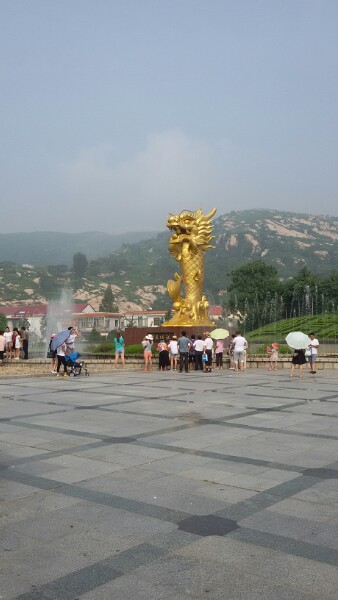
(298, 359)
(192, 351)
(52, 354)
(219, 353)
(163, 356)
(313, 347)
(183, 344)
(16, 343)
(230, 352)
(119, 348)
(208, 347)
(25, 339)
(147, 352)
(273, 355)
(2, 347)
(173, 349)
(8, 337)
(240, 345)
(70, 341)
(199, 347)
(61, 358)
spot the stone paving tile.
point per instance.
(29, 506)
(227, 493)
(43, 565)
(325, 492)
(134, 588)
(304, 575)
(319, 513)
(324, 535)
(118, 533)
(204, 578)
(285, 525)
(13, 587)
(94, 545)
(10, 490)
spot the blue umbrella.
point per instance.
(59, 339)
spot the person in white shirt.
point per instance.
(314, 352)
(199, 347)
(61, 351)
(70, 341)
(8, 337)
(173, 349)
(208, 347)
(240, 346)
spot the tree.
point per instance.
(111, 335)
(80, 264)
(3, 321)
(108, 302)
(301, 293)
(24, 323)
(255, 292)
(48, 286)
(94, 336)
(251, 284)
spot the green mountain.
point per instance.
(138, 272)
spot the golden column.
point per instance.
(190, 239)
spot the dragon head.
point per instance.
(192, 226)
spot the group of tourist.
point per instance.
(194, 352)
(58, 356)
(12, 343)
(301, 356)
(188, 353)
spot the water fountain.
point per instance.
(59, 315)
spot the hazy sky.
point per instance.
(116, 112)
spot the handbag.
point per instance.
(308, 352)
(204, 357)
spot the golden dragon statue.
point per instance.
(190, 239)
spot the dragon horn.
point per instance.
(205, 219)
(210, 214)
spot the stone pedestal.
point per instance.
(135, 335)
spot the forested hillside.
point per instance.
(138, 272)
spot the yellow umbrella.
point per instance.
(219, 334)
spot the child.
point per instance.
(273, 355)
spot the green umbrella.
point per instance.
(219, 334)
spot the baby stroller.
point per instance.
(75, 365)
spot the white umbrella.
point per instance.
(219, 334)
(297, 340)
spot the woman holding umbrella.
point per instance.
(298, 359)
(298, 341)
(219, 335)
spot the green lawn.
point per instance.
(325, 327)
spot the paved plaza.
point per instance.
(169, 486)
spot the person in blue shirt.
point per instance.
(119, 348)
(184, 343)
